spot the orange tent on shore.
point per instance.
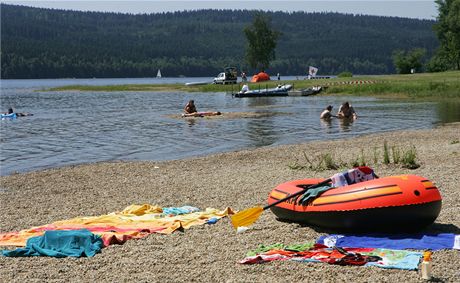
(260, 77)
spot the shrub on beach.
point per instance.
(316, 163)
(404, 158)
(408, 159)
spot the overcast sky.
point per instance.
(422, 9)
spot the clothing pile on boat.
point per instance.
(349, 177)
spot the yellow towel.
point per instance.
(138, 220)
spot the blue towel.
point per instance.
(399, 241)
(392, 259)
(396, 259)
(60, 243)
(179, 210)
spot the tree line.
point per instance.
(48, 43)
(447, 55)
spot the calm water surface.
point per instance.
(79, 127)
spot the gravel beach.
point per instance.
(242, 179)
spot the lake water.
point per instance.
(79, 127)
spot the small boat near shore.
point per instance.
(197, 83)
(406, 202)
(280, 90)
(306, 91)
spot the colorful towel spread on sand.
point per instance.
(135, 221)
(398, 241)
(74, 243)
(384, 258)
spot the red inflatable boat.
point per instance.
(405, 202)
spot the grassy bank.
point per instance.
(437, 85)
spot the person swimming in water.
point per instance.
(18, 114)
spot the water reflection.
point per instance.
(326, 124)
(448, 111)
(345, 124)
(261, 132)
(260, 102)
(191, 121)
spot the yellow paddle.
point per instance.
(248, 216)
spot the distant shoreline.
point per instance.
(421, 86)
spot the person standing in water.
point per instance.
(243, 77)
(346, 111)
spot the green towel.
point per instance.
(311, 194)
(277, 246)
(300, 247)
(263, 248)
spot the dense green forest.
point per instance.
(48, 43)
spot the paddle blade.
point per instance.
(246, 217)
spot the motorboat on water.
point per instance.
(280, 90)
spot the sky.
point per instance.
(421, 9)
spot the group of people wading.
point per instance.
(346, 111)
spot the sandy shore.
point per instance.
(238, 179)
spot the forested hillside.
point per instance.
(47, 43)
